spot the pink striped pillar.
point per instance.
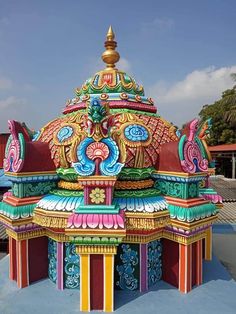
(60, 265)
(143, 268)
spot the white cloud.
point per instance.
(11, 102)
(5, 83)
(12, 108)
(124, 65)
(158, 25)
(97, 65)
(183, 100)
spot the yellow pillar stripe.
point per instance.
(84, 282)
(108, 282)
(208, 244)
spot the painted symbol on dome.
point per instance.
(97, 196)
(64, 133)
(135, 132)
(97, 150)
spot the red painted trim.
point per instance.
(170, 262)
(38, 258)
(199, 262)
(194, 264)
(185, 268)
(22, 264)
(12, 259)
(96, 282)
(115, 104)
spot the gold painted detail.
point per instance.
(26, 235)
(181, 174)
(139, 238)
(181, 239)
(70, 185)
(192, 226)
(97, 196)
(27, 174)
(50, 219)
(110, 56)
(96, 249)
(97, 181)
(56, 236)
(14, 223)
(134, 185)
(146, 223)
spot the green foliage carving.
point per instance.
(135, 173)
(32, 189)
(178, 189)
(67, 174)
(192, 213)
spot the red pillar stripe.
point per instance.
(199, 262)
(22, 263)
(185, 268)
(12, 259)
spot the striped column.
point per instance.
(22, 263)
(199, 262)
(12, 259)
(84, 282)
(185, 268)
(60, 265)
(108, 304)
(143, 268)
(208, 244)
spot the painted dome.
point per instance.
(128, 116)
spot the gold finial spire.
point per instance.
(110, 56)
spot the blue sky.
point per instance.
(183, 52)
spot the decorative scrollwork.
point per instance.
(52, 260)
(129, 259)
(72, 267)
(154, 262)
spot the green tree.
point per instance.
(223, 114)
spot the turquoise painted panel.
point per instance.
(71, 267)
(52, 260)
(154, 256)
(127, 267)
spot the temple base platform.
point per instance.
(218, 292)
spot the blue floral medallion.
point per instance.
(52, 260)
(64, 133)
(127, 267)
(154, 262)
(71, 267)
(136, 132)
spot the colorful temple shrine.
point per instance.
(109, 195)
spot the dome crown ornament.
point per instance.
(110, 56)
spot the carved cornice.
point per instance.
(96, 249)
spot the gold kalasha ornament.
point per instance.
(110, 56)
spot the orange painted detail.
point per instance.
(185, 268)
(22, 264)
(12, 259)
(222, 148)
(15, 201)
(144, 232)
(199, 262)
(186, 203)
